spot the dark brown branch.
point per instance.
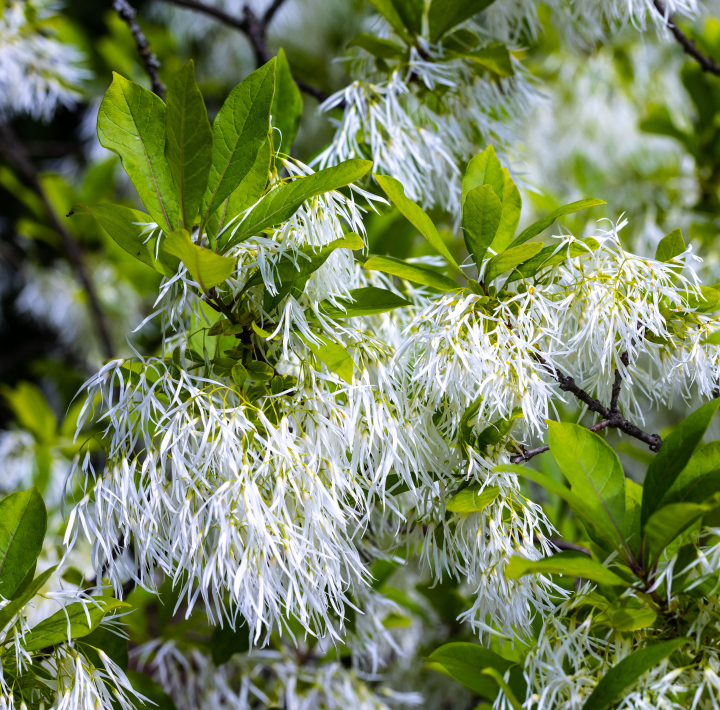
(254, 28)
(127, 12)
(707, 64)
(617, 385)
(14, 152)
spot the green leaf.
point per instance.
(226, 642)
(387, 9)
(411, 12)
(31, 411)
(674, 455)
(415, 215)
(131, 123)
(509, 259)
(125, 226)
(542, 224)
(465, 430)
(472, 499)
(188, 142)
(466, 661)
(114, 646)
(599, 526)
(712, 339)
(239, 374)
(410, 272)
(631, 529)
(665, 524)
(699, 480)
(510, 218)
(366, 301)
(495, 57)
(73, 618)
(334, 356)
(239, 131)
(670, 246)
(633, 619)
(484, 169)
(569, 562)
(481, 214)
(550, 256)
(708, 300)
(8, 612)
(625, 673)
(287, 106)
(446, 14)
(205, 266)
(23, 524)
(151, 690)
(491, 436)
(378, 47)
(280, 204)
(592, 468)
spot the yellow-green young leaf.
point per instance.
(481, 215)
(22, 598)
(31, 411)
(125, 226)
(205, 266)
(188, 142)
(550, 256)
(280, 204)
(542, 224)
(416, 216)
(410, 272)
(446, 14)
(509, 259)
(708, 300)
(366, 301)
(674, 455)
(510, 218)
(699, 480)
(494, 57)
(75, 616)
(287, 105)
(334, 357)
(625, 673)
(592, 468)
(239, 131)
(712, 339)
(259, 331)
(484, 169)
(131, 123)
(633, 619)
(23, 523)
(387, 9)
(569, 562)
(670, 246)
(239, 374)
(377, 46)
(472, 499)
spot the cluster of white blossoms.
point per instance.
(38, 73)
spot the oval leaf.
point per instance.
(472, 499)
(205, 266)
(410, 272)
(569, 562)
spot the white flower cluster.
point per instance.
(38, 73)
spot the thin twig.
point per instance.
(14, 152)
(254, 28)
(127, 12)
(707, 64)
(563, 545)
(617, 385)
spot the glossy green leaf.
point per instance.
(481, 214)
(484, 169)
(280, 204)
(366, 301)
(188, 142)
(239, 131)
(410, 272)
(8, 612)
(77, 618)
(510, 217)
(239, 374)
(334, 356)
(568, 562)
(387, 9)
(591, 467)
(131, 123)
(542, 224)
(712, 339)
(666, 523)
(466, 661)
(631, 528)
(472, 499)
(148, 688)
(509, 259)
(377, 46)
(205, 266)
(674, 456)
(446, 14)
(492, 435)
(411, 13)
(550, 256)
(495, 57)
(625, 673)
(699, 480)
(23, 524)
(126, 227)
(416, 216)
(670, 246)
(287, 106)
(707, 301)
